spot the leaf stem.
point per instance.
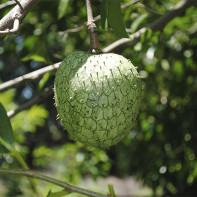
(14, 153)
(19, 158)
(68, 187)
(5, 144)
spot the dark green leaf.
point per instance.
(49, 193)
(112, 15)
(6, 132)
(104, 21)
(63, 4)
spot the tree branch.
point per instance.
(13, 30)
(129, 4)
(68, 187)
(149, 9)
(28, 77)
(92, 29)
(19, 4)
(124, 42)
(90, 18)
(8, 3)
(155, 26)
(40, 97)
(20, 11)
(78, 28)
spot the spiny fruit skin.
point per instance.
(97, 97)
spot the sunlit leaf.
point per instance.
(137, 22)
(6, 133)
(43, 81)
(34, 57)
(178, 69)
(7, 97)
(63, 4)
(28, 120)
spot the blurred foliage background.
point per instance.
(160, 151)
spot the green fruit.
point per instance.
(97, 97)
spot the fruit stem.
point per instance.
(92, 29)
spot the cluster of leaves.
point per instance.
(161, 150)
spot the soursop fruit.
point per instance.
(97, 97)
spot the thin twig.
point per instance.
(92, 29)
(98, 17)
(155, 26)
(13, 30)
(133, 38)
(129, 4)
(7, 21)
(68, 187)
(90, 17)
(28, 77)
(8, 3)
(149, 9)
(37, 99)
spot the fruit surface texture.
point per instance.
(97, 97)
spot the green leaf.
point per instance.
(111, 190)
(143, 37)
(114, 18)
(137, 22)
(28, 120)
(57, 194)
(63, 4)
(104, 21)
(43, 81)
(146, 35)
(30, 41)
(6, 132)
(34, 57)
(149, 33)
